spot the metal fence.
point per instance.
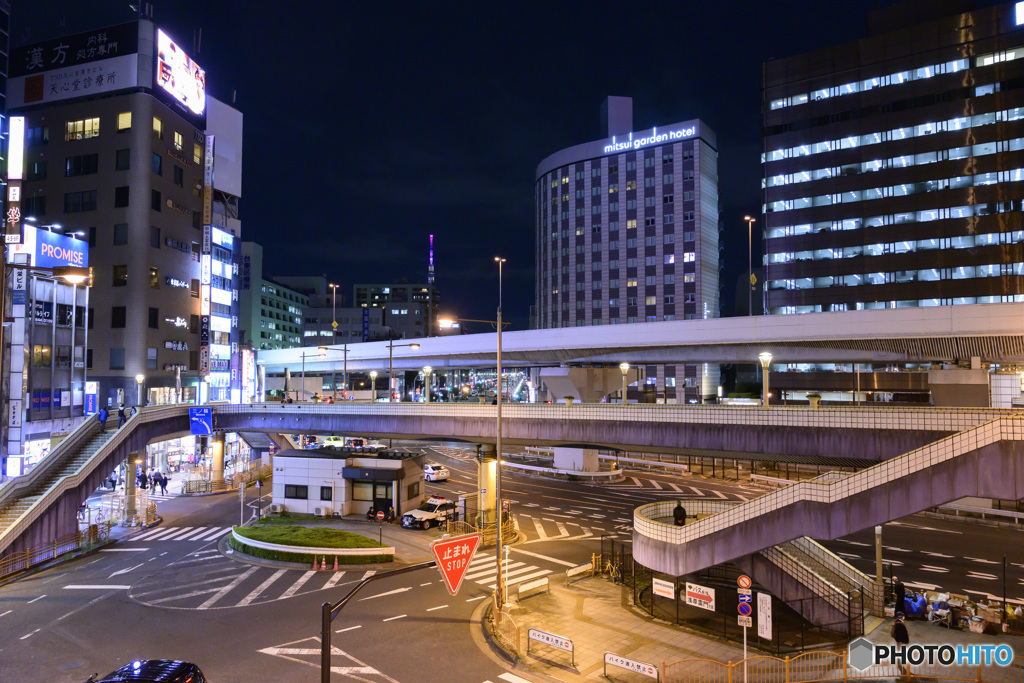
(818, 667)
(17, 562)
(506, 629)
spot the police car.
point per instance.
(434, 472)
(431, 512)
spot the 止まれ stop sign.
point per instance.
(453, 556)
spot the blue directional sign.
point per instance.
(745, 598)
(201, 420)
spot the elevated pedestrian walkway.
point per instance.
(986, 461)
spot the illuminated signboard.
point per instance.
(222, 238)
(653, 139)
(218, 324)
(1019, 13)
(220, 296)
(179, 76)
(16, 148)
(48, 249)
(204, 299)
(204, 269)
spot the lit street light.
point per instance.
(373, 385)
(139, 379)
(750, 263)
(391, 365)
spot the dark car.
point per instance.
(154, 671)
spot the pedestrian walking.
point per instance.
(902, 638)
(120, 415)
(103, 420)
(900, 593)
(163, 484)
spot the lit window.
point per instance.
(82, 129)
(124, 121)
(178, 141)
(158, 128)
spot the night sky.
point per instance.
(369, 126)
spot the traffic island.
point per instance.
(294, 543)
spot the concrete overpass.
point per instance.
(992, 332)
(41, 506)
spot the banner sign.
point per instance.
(700, 596)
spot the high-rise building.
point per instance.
(894, 165)
(125, 148)
(627, 232)
(271, 313)
(409, 310)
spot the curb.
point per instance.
(238, 556)
(494, 651)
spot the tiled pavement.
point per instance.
(595, 615)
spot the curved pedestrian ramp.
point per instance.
(986, 461)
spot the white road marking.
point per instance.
(177, 532)
(637, 482)
(299, 582)
(6, 613)
(937, 570)
(479, 597)
(226, 589)
(34, 599)
(123, 550)
(350, 628)
(981, 576)
(214, 535)
(543, 557)
(400, 616)
(426, 584)
(96, 587)
(520, 579)
(381, 595)
(262, 587)
(201, 531)
(125, 571)
(674, 487)
(29, 635)
(925, 552)
(512, 678)
(431, 609)
(331, 582)
(150, 535)
(656, 484)
(540, 529)
(981, 560)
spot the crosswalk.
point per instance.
(206, 580)
(483, 571)
(174, 533)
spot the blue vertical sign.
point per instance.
(366, 324)
(201, 420)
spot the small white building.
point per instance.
(332, 483)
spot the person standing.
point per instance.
(103, 420)
(163, 483)
(120, 415)
(902, 638)
(900, 592)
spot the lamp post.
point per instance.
(625, 371)
(750, 263)
(373, 386)
(322, 352)
(391, 365)
(497, 474)
(139, 379)
(426, 372)
(334, 313)
(766, 362)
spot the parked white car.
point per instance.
(434, 511)
(435, 472)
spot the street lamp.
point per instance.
(625, 371)
(139, 379)
(426, 372)
(497, 474)
(373, 385)
(766, 362)
(391, 365)
(322, 352)
(334, 313)
(750, 263)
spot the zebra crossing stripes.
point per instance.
(483, 571)
(188, 533)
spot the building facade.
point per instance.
(271, 314)
(409, 311)
(118, 151)
(894, 165)
(627, 232)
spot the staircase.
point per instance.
(14, 510)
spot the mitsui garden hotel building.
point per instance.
(894, 165)
(627, 232)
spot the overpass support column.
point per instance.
(579, 459)
(129, 487)
(216, 458)
(487, 474)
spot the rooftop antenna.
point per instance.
(430, 266)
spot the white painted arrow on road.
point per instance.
(123, 571)
(381, 595)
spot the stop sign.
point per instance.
(380, 516)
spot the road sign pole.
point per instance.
(744, 654)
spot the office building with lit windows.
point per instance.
(627, 232)
(271, 313)
(894, 165)
(124, 148)
(410, 311)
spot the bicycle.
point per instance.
(612, 569)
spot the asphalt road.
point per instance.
(171, 592)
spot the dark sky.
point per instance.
(369, 125)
